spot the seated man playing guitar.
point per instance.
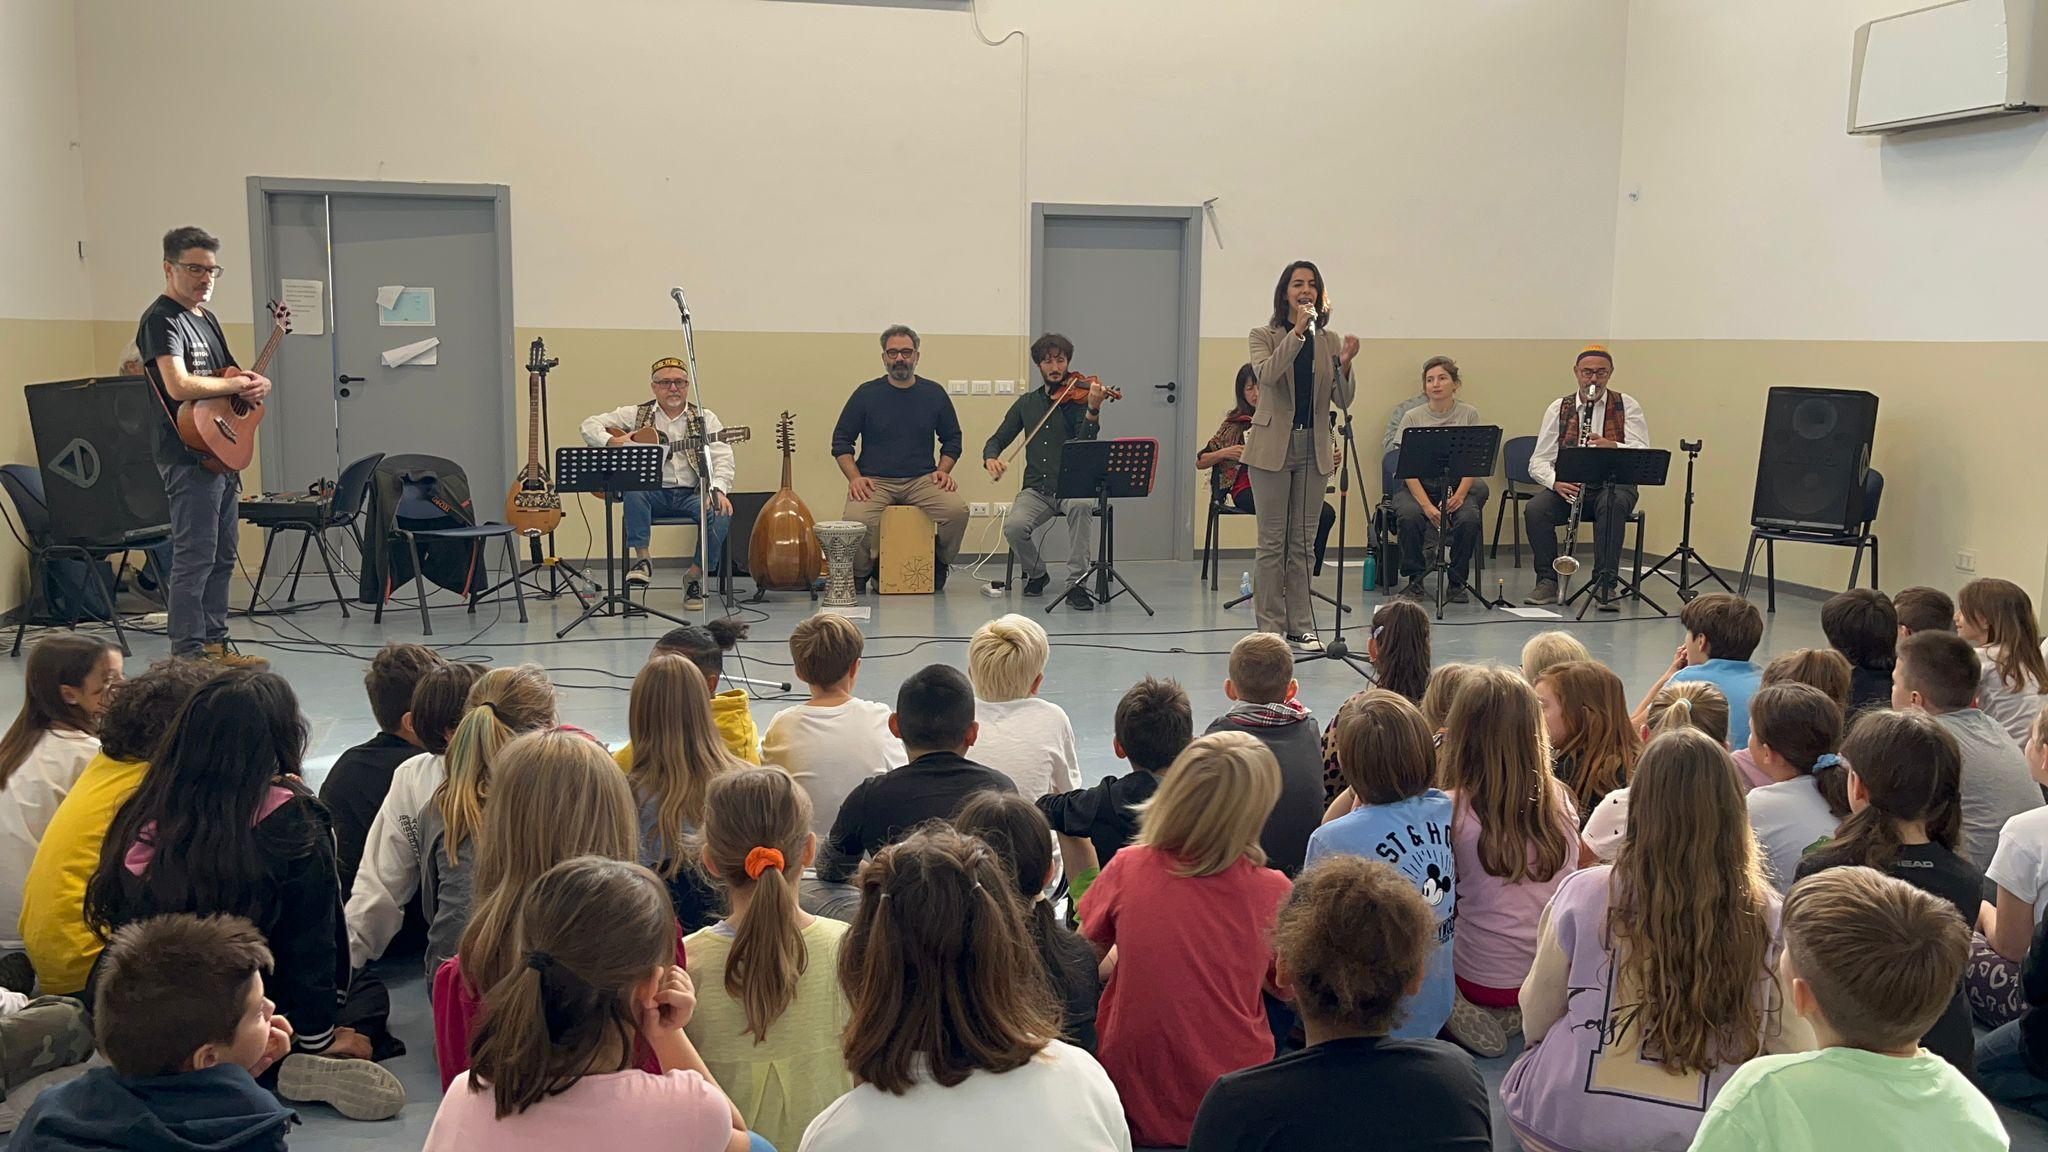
(185, 356)
(666, 420)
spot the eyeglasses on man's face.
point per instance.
(212, 271)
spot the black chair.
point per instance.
(1520, 487)
(341, 510)
(1859, 539)
(1388, 527)
(1219, 507)
(725, 560)
(416, 506)
(24, 485)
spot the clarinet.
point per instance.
(1568, 564)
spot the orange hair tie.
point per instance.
(760, 860)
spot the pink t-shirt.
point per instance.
(1184, 1006)
(625, 1110)
(1496, 937)
(1747, 773)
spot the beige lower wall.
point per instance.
(31, 351)
(1957, 435)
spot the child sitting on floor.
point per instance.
(1154, 723)
(1263, 687)
(1023, 735)
(835, 739)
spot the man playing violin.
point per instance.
(665, 420)
(1068, 407)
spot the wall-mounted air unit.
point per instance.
(1957, 61)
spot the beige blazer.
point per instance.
(1273, 352)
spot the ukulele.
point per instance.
(222, 429)
(783, 554)
(533, 507)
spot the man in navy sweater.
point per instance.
(896, 417)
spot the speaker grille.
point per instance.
(1816, 448)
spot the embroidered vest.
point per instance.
(1616, 420)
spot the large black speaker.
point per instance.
(1815, 452)
(93, 444)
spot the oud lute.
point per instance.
(783, 555)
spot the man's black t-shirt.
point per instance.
(1946, 876)
(1344, 1095)
(171, 329)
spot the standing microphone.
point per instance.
(682, 305)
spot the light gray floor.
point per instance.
(1095, 657)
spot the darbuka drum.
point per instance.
(842, 541)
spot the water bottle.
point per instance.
(1244, 585)
(1372, 571)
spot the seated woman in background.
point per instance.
(1230, 480)
(1422, 509)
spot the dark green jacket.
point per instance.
(1042, 455)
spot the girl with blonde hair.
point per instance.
(1547, 648)
(1514, 833)
(676, 754)
(1683, 930)
(503, 704)
(1688, 705)
(1593, 743)
(1189, 910)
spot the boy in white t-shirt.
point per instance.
(2019, 867)
(1028, 739)
(834, 740)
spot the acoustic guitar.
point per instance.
(222, 429)
(784, 555)
(533, 507)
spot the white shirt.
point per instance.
(678, 468)
(31, 797)
(2020, 865)
(829, 750)
(1543, 460)
(1790, 817)
(1031, 741)
(1061, 1099)
(2013, 708)
(390, 871)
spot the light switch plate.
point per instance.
(984, 387)
(1006, 387)
(957, 387)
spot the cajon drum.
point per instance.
(908, 551)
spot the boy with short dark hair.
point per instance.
(1922, 609)
(834, 740)
(356, 784)
(1937, 673)
(1154, 722)
(1871, 962)
(1721, 633)
(1263, 687)
(1352, 944)
(181, 1018)
(934, 718)
(1863, 625)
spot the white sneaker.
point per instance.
(1307, 642)
(358, 1089)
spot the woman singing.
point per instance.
(1423, 508)
(1302, 369)
(1230, 482)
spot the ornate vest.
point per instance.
(1616, 419)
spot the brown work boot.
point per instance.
(227, 657)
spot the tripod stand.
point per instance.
(546, 559)
(1685, 553)
(1099, 469)
(628, 468)
(1336, 648)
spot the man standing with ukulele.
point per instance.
(185, 357)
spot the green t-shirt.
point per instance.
(1849, 1099)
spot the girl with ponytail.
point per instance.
(1903, 781)
(771, 1011)
(1794, 730)
(503, 704)
(1022, 839)
(553, 1060)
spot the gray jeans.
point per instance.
(834, 900)
(1031, 512)
(1286, 502)
(205, 511)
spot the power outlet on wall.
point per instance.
(957, 387)
(1966, 560)
(1006, 387)
(1002, 508)
(979, 508)
(984, 387)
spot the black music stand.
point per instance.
(1097, 470)
(626, 468)
(1442, 456)
(1596, 467)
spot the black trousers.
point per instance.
(1325, 520)
(1419, 538)
(1607, 507)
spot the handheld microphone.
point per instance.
(682, 305)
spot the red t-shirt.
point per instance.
(457, 1006)
(1184, 1006)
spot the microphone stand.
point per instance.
(1336, 648)
(702, 463)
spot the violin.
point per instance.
(1074, 390)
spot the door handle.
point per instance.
(345, 380)
(1171, 389)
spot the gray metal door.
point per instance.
(1121, 285)
(356, 238)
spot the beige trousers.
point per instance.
(947, 510)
